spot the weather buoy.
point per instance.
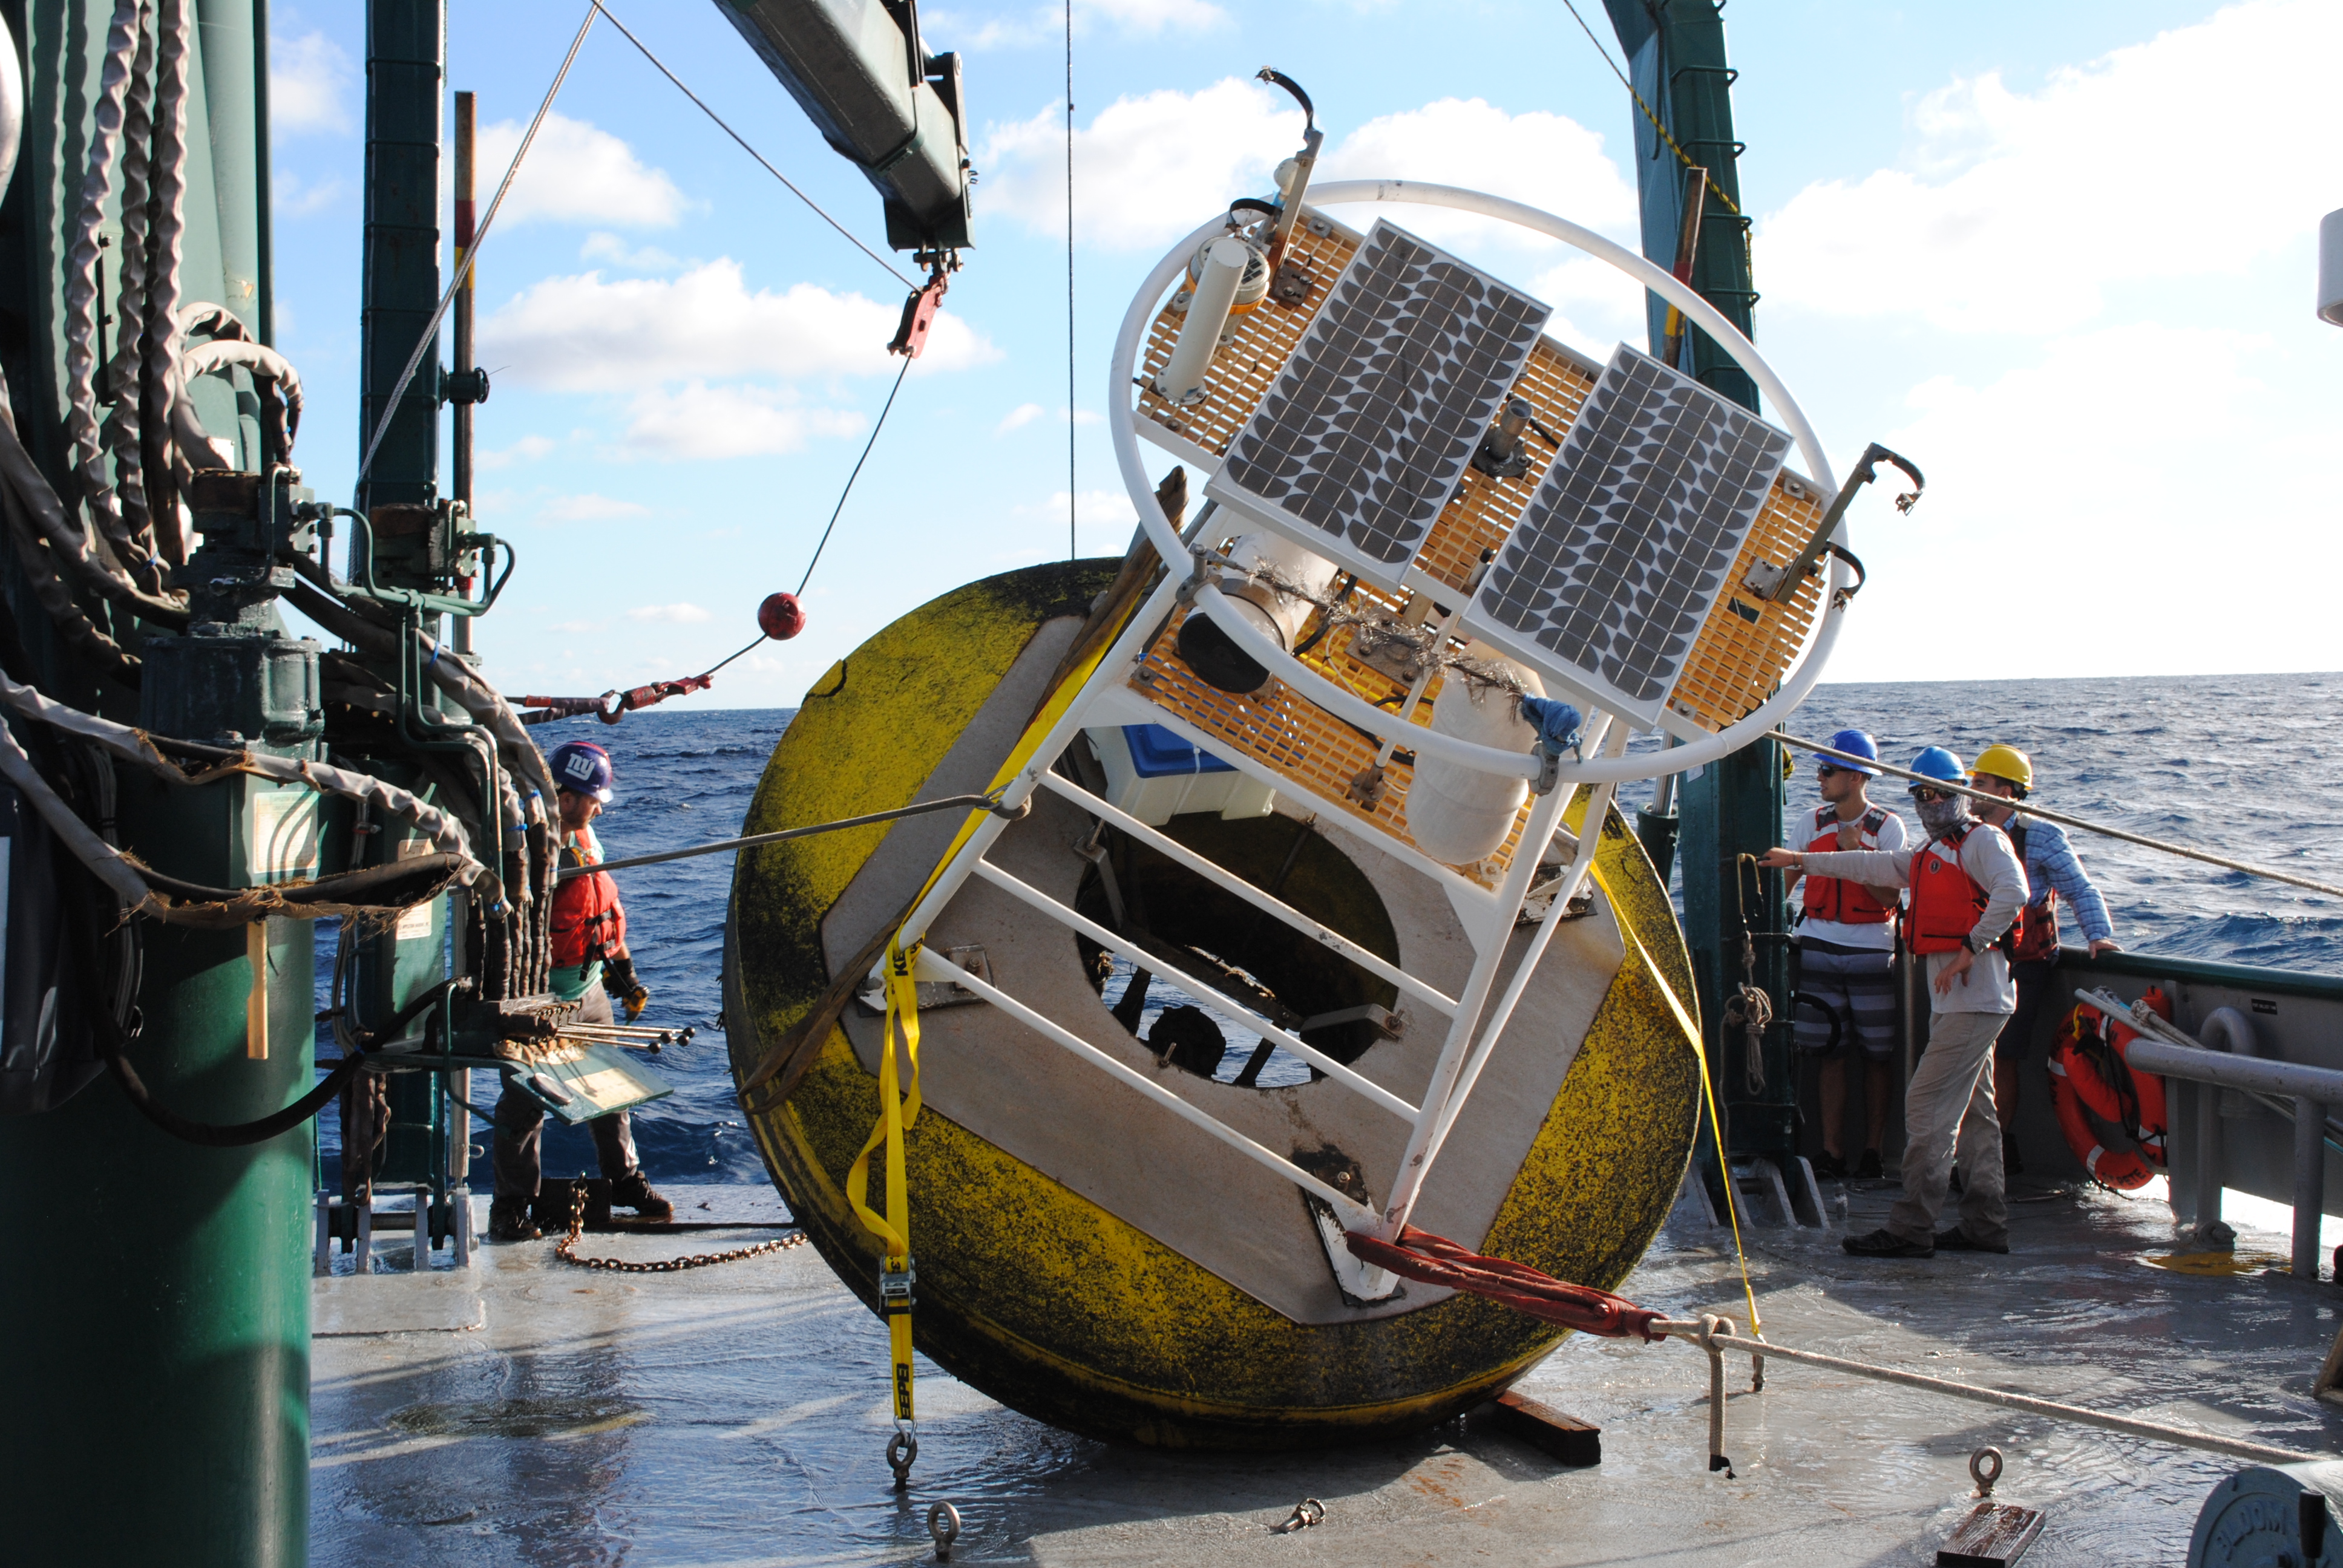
(780, 617)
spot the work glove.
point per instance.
(619, 980)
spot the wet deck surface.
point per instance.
(737, 1416)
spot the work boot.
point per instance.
(1828, 1165)
(509, 1221)
(1886, 1243)
(1958, 1241)
(632, 1192)
(1869, 1171)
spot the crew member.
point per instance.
(1967, 888)
(591, 964)
(2054, 872)
(1847, 955)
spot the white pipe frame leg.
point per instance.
(1461, 1062)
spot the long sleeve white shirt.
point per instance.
(1986, 856)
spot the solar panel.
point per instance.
(1369, 427)
(1606, 579)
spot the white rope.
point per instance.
(2066, 821)
(2159, 1431)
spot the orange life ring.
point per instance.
(2113, 1118)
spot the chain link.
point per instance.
(566, 1249)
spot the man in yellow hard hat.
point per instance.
(2053, 872)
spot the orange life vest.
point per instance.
(589, 922)
(1946, 899)
(2113, 1118)
(1836, 899)
(2038, 923)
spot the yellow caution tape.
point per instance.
(899, 1110)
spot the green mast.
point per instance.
(1730, 810)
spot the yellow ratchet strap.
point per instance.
(898, 1109)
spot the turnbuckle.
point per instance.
(895, 1289)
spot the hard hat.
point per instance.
(1937, 762)
(1855, 743)
(581, 767)
(2006, 762)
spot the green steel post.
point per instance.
(1676, 59)
(158, 1292)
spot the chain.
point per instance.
(566, 1249)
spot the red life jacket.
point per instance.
(1946, 899)
(1836, 898)
(2113, 1118)
(2038, 923)
(589, 922)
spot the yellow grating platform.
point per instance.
(1736, 662)
(1304, 742)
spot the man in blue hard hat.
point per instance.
(1967, 889)
(1845, 1005)
(2054, 872)
(591, 964)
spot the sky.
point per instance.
(2061, 256)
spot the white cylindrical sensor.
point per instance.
(2331, 268)
(1277, 615)
(1224, 264)
(1457, 814)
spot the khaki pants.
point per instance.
(1949, 1114)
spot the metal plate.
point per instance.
(1367, 430)
(1615, 566)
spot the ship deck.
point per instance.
(533, 1412)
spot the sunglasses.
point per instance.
(1926, 795)
(1826, 770)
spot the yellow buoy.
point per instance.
(1081, 1256)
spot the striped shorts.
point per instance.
(1844, 995)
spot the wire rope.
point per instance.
(661, 66)
(824, 543)
(430, 332)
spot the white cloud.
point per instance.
(697, 421)
(2017, 215)
(290, 195)
(1148, 169)
(603, 245)
(670, 614)
(1017, 418)
(1095, 507)
(528, 450)
(576, 628)
(587, 334)
(1130, 18)
(574, 173)
(311, 85)
(588, 508)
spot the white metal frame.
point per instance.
(1470, 1042)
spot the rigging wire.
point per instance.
(661, 66)
(1685, 158)
(848, 491)
(1073, 497)
(430, 334)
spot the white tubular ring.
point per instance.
(1124, 430)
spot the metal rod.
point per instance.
(2294, 1080)
(1042, 903)
(1178, 853)
(2185, 1437)
(932, 966)
(950, 803)
(2066, 821)
(461, 478)
(2310, 1183)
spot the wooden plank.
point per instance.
(1559, 1433)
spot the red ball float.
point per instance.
(780, 617)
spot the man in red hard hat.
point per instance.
(591, 964)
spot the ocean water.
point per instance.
(2238, 765)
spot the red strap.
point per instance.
(1437, 1261)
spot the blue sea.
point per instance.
(2233, 764)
